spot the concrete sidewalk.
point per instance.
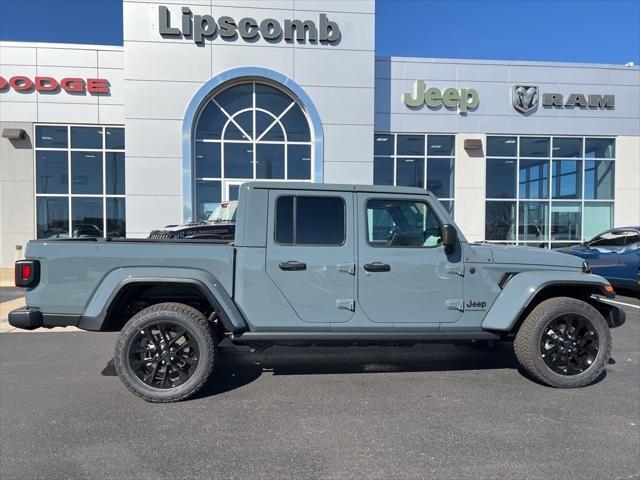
(6, 277)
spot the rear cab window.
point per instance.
(310, 220)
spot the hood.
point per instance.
(511, 254)
(195, 226)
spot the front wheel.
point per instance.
(166, 352)
(564, 342)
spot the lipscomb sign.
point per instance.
(199, 27)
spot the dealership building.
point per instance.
(204, 95)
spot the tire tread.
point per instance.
(522, 344)
(197, 319)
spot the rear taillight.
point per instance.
(27, 273)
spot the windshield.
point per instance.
(609, 239)
(225, 212)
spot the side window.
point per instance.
(306, 220)
(402, 223)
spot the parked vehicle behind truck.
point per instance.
(614, 254)
(219, 225)
(319, 264)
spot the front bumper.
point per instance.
(615, 316)
(26, 318)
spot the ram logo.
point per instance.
(524, 97)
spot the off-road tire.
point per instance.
(186, 317)
(528, 338)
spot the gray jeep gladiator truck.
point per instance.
(319, 264)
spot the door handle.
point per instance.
(377, 267)
(292, 265)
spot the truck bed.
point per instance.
(72, 269)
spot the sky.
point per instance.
(591, 31)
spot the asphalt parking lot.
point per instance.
(431, 411)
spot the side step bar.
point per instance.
(301, 338)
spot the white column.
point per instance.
(470, 187)
(627, 182)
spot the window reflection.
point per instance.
(553, 207)
(534, 179)
(401, 159)
(80, 185)
(249, 131)
(500, 220)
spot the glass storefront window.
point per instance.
(500, 221)
(52, 136)
(600, 148)
(440, 177)
(567, 147)
(502, 147)
(533, 223)
(53, 217)
(86, 137)
(598, 179)
(86, 172)
(501, 178)
(87, 218)
(534, 179)
(566, 221)
(248, 131)
(238, 160)
(566, 179)
(410, 172)
(207, 197)
(52, 171)
(383, 145)
(270, 161)
(114, 171)
(534, 146)
(412, 145)
(80, 181)
(565, 189)
(401, 159)
(441, 145)
(298, 162)
(208, 160)
(116, 226)
(598, 217)
(114, 139)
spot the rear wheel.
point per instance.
(166, 352)
(564, 342)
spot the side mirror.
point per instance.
(449, 237)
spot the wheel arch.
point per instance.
(105, 308)
(526, 290)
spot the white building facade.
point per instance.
(209, 94)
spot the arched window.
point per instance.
(245, 132)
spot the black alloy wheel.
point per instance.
(163, 355)
(564, 342)
(166, 352)
(569, 344)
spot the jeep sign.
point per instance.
(198, 27)
(464, 99)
